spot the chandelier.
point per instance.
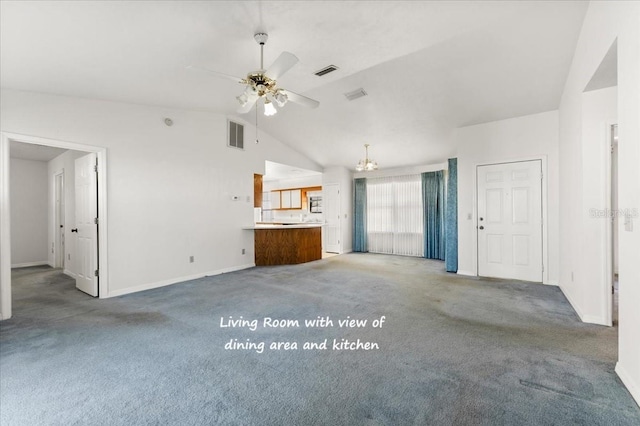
(367, 164)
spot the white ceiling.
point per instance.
(428, 66)
(28, 151)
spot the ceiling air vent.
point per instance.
(236, 135)
(356, 94)
(326, 70)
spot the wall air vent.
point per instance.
(326, 70)
(355, 94)
(236, 135)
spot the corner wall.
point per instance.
(604, 23)
(514, 139)
(29, 208)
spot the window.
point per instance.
(236, 135)
(395, 218)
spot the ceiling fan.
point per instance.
(262, 84)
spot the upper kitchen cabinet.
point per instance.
(291, 199)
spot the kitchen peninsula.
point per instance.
(279, 243)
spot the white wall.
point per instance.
(29, 206)
(604, 23)
(64, 163)
(529, 137)
(169, 188)
(343, 177)
(587, 286)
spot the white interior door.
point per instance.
(510, 220)
(331, 206)
(86, 179)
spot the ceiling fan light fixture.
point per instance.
(243, 99)
(269, 109)
(280, 98)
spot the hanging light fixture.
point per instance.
(367, 164)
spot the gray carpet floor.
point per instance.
(452, 350)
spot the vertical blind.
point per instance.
(395, 215)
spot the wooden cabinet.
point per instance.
(296, 199)
(287, 246)
(287, 199)
(257, 190)
(292, 199)
(275, 200)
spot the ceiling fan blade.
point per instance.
(284, 62)
(218, 74)
(299, 99)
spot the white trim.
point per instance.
(590, 319)
(5, 231)
(627, 380)
(607, 279)
(69, 273)
(28, 264)
(164, 283)
(545, 203)
(467, 273)
(573, 305)
(5, 226)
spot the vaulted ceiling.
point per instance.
(428, 67)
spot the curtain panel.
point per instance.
(451, 219)
(360, 215)
(433, 200)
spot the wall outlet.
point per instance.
(191, 259)
(243, 251)
(68, 257)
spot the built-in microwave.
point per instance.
(315, 204)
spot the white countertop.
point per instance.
(279, 225)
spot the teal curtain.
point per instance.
(451, 218)
(433, 201)
(360, 215)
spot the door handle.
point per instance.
(74, 230)
(481, 227)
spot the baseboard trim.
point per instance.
(572, 303)
(466, 273)
(164, 283)
(630, 384)
(68, 272)
(28, 264)
(555, 283)
(589, 319)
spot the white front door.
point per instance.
(86, 179)
(510, 220)
(331, 202)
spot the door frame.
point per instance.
(545, 221)
(5, 208)
(607, 280)
(58, 219)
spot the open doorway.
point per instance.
(58, 243)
